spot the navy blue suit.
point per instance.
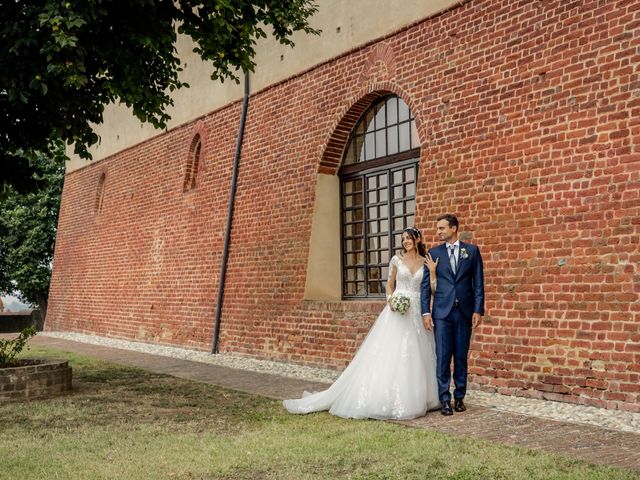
(456, 298)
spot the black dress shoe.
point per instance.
(459, 405)
(446, 408)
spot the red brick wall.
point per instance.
(529, 119)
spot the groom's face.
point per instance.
(445, 232)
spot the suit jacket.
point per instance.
(466, 286)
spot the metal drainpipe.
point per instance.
(232, 196)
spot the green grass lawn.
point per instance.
(125, 423)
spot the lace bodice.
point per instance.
(406, 281)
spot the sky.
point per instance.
(13, 304)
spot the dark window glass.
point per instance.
(378, 195)
(385, 129)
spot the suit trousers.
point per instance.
(453, 336)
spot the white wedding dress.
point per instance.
(393, 374)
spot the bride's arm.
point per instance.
(391, 280)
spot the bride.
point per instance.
(393, 374)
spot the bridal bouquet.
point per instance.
(400, 303)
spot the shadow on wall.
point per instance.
(13, 322)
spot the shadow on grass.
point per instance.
(106, 394)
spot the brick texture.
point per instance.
(529, 122)
(35, 379)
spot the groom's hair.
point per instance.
(452, 219)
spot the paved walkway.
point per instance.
(594, 444)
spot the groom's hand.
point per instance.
(428, 321)
(475, 320)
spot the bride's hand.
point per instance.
(430, 264)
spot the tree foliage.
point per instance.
(28, 224)
(61, 62)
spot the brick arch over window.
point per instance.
(331, 155)
(195, 155)
(100, 193)
(324, 268)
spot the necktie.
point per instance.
(452, 258)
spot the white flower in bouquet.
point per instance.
(400, 303)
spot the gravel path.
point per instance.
(612, 419)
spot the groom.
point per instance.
(458, 306)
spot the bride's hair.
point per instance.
(416, 236)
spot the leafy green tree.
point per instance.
(62, 61)
(28, 224)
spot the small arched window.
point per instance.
(378, 184)
(193, 163)
(100, 193)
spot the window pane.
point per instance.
(374, 273)
(382, 180)
(384, 225)
(375, 288)
(384, 213)
(383, 195)
(359, 148)
(392, 140)
(398, 209)
(415, 141)
(380, 117)
(357, 199)
(372, 182)
(392, 111)
(398, 223)
(381, 148)
(349, 288)
(373, 227)
(410, 206)
(373, 212)
(403, 111)
(357, 259)
(374, 258)
(348, 216)
(374, 244)
(397, 176)
(369, 121)
(348, 230)
(357, 185)
(348, 200)
(349, 155)
(409, 174)
(358, 229)
(409, 190)
(397, 191)
(384, 259)
(397, 241)
(360, 291)
(347, 187)
(384, 242)
(373, 196)
(360, 274)
(370, 146)
(404, 140)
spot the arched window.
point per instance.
(100, 193)
(193, 162)
(377, 190)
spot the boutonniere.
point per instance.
(463, 253)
